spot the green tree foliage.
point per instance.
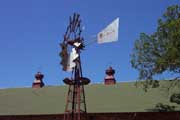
(159, 52)
(175, 98)
(163, 108)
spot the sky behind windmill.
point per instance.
(31, 30)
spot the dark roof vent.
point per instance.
(38, 82)
(109, 79)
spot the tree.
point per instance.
(159, 52)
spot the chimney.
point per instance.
(38, 82)
(109, 79)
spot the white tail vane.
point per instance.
(110, 33)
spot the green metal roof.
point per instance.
(122, 97)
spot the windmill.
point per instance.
(72, 46)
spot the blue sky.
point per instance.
(31, 30)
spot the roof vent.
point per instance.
(109, 79)
(38, 82)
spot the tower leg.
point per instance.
(68, 103)
(75, 104)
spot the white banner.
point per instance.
(110, 33)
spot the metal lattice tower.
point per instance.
(75, 107)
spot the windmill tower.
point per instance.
(72, 46)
